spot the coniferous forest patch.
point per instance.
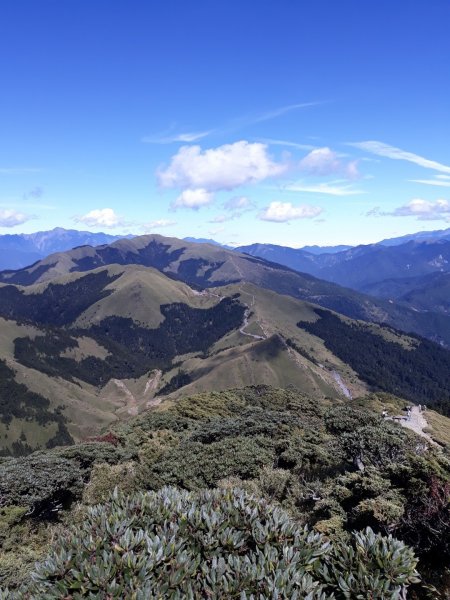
(421, 374)
(133, 350)
(58, 304)
(17, 401)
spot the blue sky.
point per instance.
(273, 121)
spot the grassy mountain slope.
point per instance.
(103, 345)
(106, 344)
(205, 266)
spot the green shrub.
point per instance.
(193, 465)
(220, 544)
(372, 567)
(105, 477)
(42, 483)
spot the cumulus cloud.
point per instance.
(12, 218)
(385, 150)
(324, 161)
(283, 212)
(193, 198)
(101, 217)
(424, 210)
(223, 168)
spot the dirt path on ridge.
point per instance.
(417, 424)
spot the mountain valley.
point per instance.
(94, 335)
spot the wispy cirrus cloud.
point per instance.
(278, 112)
(283, 212)
(170, 138)
(333, 188)
(221, 218)
(287, 144)
(435, 182)
(157, 224)
(169, 135)
(388, 151)
(235, 207)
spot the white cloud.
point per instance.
(278, 112)
(238, 203)
(382, 149)
(193, 198)
(424, 210)
(334, 188)
(221, 219)
(165, 138)
(282, 212)
(288, 144)
(216, 230)
(158, 224)
(320, 161)
(223, 168)
(437, 182)
(12, 218)
(324, 161)
(101, 217)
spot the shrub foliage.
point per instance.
(219, 544)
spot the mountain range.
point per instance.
(93, 335)
(23, 249)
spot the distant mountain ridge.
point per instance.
(377, 269)
(22, 249)
(440, 234)
(205, 266)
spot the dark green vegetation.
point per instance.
(426, 293)
(214, 544)
(16, 401)
(211, 266)
(133, 350)
(421, 374)
(59, 304)
(335, 468)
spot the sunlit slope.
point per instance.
(69, 364)
(87, 348)
(205, 265)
